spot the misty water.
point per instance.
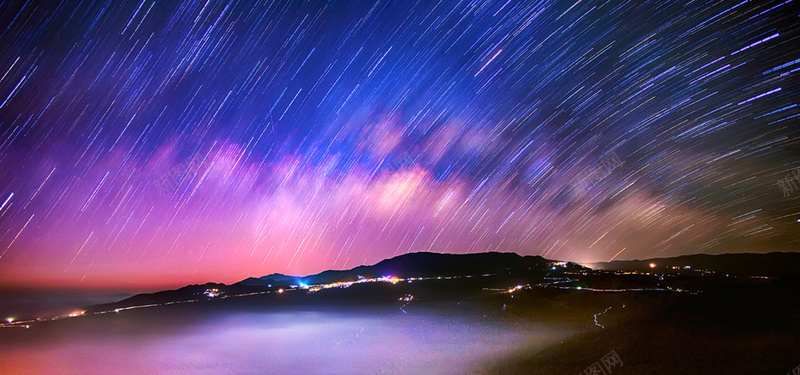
(275, 342)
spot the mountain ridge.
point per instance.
(508, 265)
(406, 265)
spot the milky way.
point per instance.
(150, 143)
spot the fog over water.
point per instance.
(296, 342)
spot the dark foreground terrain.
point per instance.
(483, 314)
(744, 329)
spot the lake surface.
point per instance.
(296, 342)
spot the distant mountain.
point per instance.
(508, 266)
(743, 265)
(189, 292)
(421, 264)
(272, 279)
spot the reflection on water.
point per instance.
(301, 342)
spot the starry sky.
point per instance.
(157, 143)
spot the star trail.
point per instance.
(150, 143)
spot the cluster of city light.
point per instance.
(406, 299)
(347, 284)
(212, 292)
(13, 322)
(555, 283)
(516, 288)
(676, 268)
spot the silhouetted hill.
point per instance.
(188, 292)
(272, 279)
(694, 272)
(422, 264)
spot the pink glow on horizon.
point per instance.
(232, 220)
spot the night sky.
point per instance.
(152, 143)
